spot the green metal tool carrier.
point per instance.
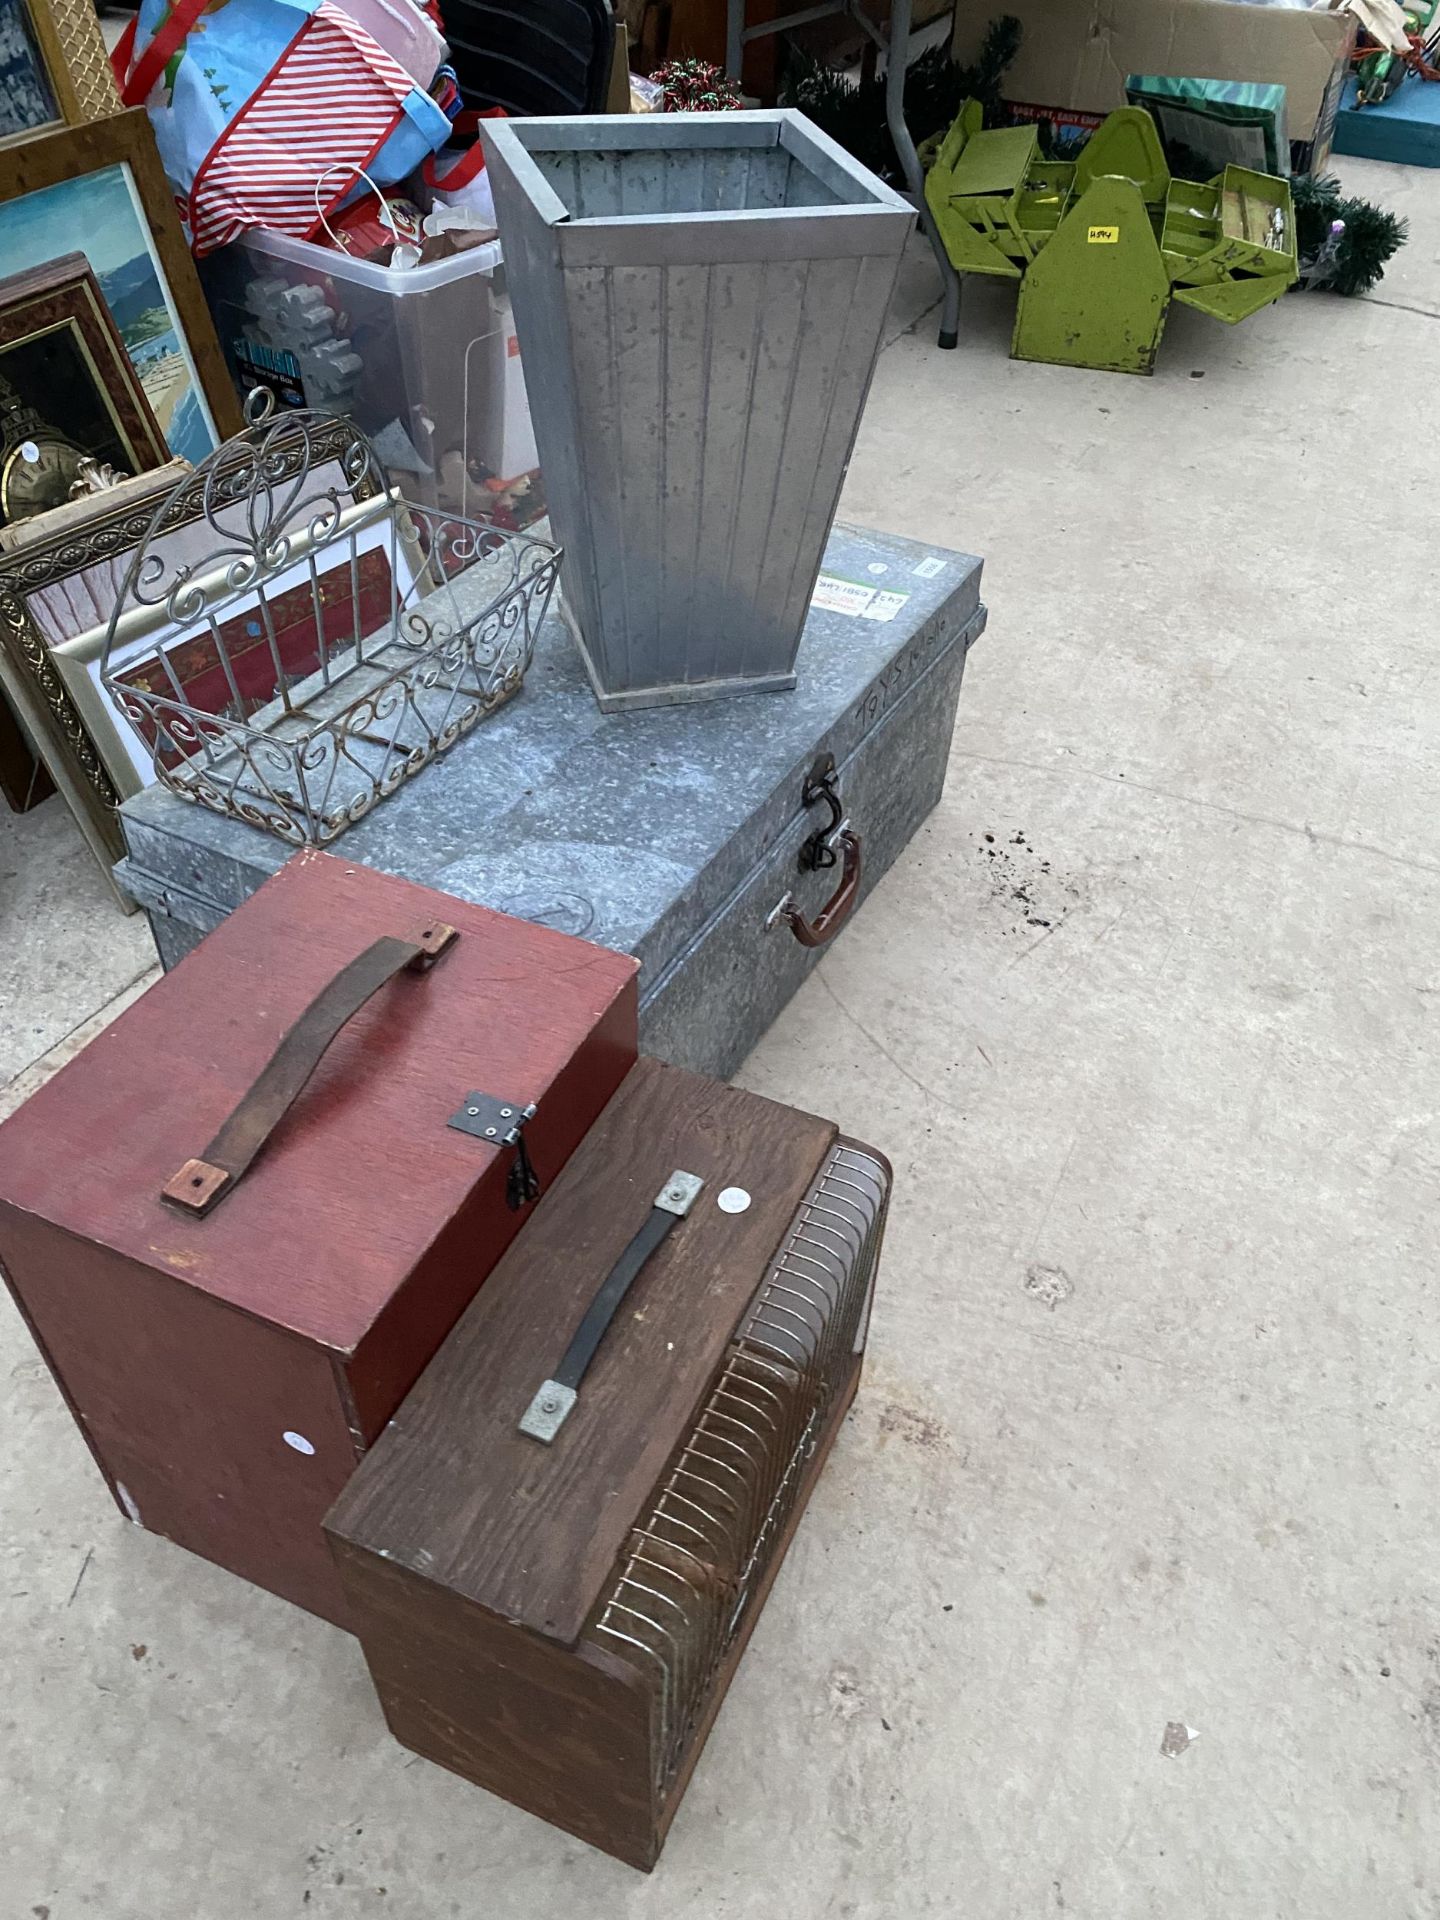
(1102, 244)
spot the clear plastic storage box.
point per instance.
(425, 362)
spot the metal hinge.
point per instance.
(502, 1124)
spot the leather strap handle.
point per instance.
(837, 909)
(201, 1184)
(555, 1397)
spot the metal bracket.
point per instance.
(546, 1413)
(679, 1193)
(501, 1123)
(490, 1118)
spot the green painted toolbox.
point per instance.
(1103, 244)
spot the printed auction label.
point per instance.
(841, 596)
(884, 606)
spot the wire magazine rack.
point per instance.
(294, 639)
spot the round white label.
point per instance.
(298, 1442)
(29, 451)
(733, 1200)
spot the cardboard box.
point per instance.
(1075, 55)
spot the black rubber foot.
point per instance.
(948, 340)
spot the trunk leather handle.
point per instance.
(837, 909)
(201, 1184)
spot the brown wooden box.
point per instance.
(559, 1621)
(229, 1368)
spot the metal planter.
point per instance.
(699, 300)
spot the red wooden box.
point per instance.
(228, 1367)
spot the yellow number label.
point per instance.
(1104, 236)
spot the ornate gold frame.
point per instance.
(77, 67)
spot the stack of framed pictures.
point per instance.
(99, 190)
(110, 370)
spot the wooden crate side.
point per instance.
(185, 1403)
(567, 1737)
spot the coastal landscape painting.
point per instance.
(100, 215)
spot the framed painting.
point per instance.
(99, 190)
(71, 402)
(54, 70)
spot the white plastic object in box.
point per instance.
(425, 361)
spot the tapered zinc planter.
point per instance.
(699, 300)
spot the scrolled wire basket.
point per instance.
(294, 640)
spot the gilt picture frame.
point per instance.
(54, 69)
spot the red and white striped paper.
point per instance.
(331, 102)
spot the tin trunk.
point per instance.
(673, 835)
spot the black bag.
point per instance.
(531, 56)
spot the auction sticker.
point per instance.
(884, 606)
(841, 596)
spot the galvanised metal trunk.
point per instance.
(674, 835)
(699, 300)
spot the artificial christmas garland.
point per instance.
(1371, 234)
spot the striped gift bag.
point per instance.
(254, 101)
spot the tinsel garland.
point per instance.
(695, 86)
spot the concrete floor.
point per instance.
(1147, 1430)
